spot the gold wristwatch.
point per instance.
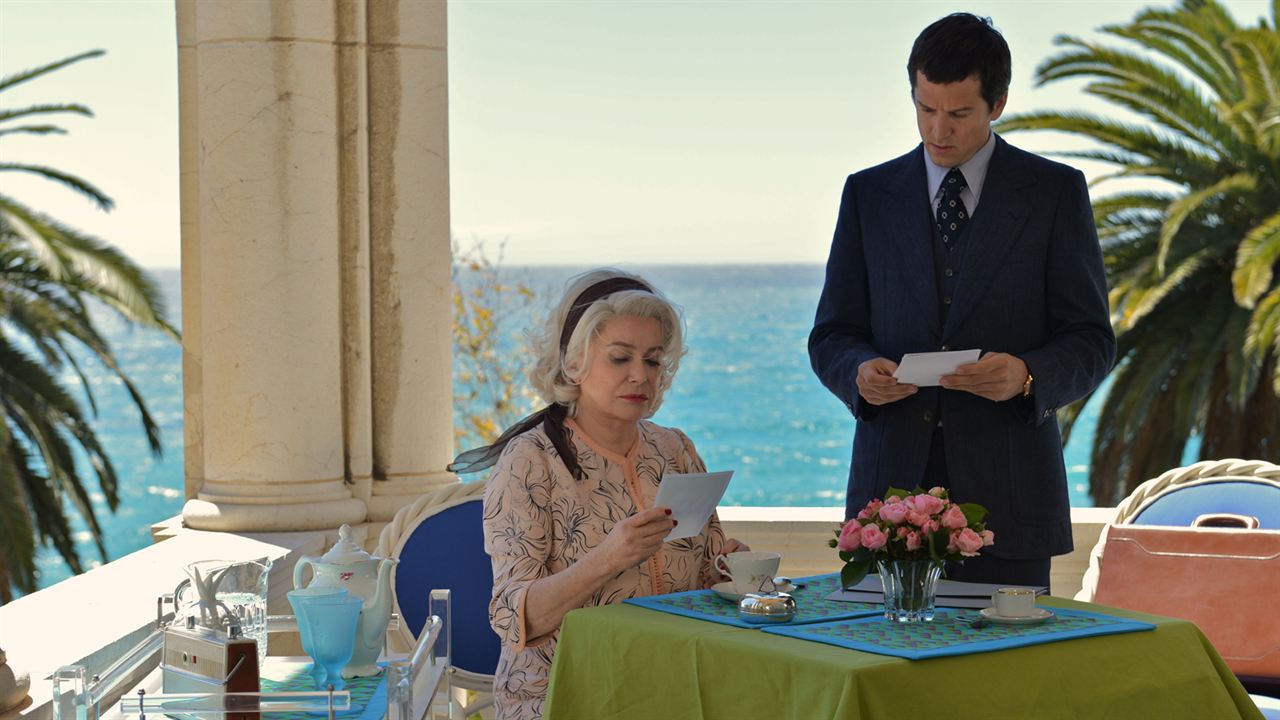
(1026, 386)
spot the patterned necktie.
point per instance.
(951, 211)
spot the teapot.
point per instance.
(349, 566)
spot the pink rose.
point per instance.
(850, 536)
(953, 518)
(873, 538)
(969, 542)
(930, 526)
(917, 518)
(988, 538)
(894, 512)
(869, 512)
(902, 532)
(929, 504)
(913, 541)
(952, 547)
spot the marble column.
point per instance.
(410, 253)
(315, 280)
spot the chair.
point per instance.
(439, 541)
(1195, 523)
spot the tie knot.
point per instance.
(954, 181)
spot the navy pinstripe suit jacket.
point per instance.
(1031, 284)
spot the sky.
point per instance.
(602, 132)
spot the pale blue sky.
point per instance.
(581, 132)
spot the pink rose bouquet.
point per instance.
(915, 525)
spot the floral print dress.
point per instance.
(539, 520)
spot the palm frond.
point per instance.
(1263, 334)
(17, 535)
(1183, 208)
(9, 81)
(89, 265)
(46, 109)
(84, 187)
(1142, 303)
(1255, 260)
(1144, 87)
(1190, 165)
(33, 130)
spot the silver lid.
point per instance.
(767, 607)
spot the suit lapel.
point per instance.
(906, 223)
(991, 232)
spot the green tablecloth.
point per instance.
(622, 662)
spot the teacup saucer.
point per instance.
(1038, 615)
(726, 592)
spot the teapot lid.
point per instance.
(345, 551)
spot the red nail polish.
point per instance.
(668, 511)
(675, 523)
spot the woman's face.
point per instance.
(623, 363)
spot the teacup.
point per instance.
(1014, 602)
(749, 570)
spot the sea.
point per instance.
(744, 394)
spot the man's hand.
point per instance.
(996, 376)
(878, 386)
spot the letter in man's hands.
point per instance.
(926, 369)
(692, 497)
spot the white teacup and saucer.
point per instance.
(748, 572)
(1015, 606)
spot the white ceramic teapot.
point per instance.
(347, 565)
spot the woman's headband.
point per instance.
(600, 290)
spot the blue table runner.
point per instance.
(812, 605)
(951, 633)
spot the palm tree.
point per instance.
(49, 274)
(1191, 260)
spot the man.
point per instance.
(966, 243)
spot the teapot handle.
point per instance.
(297, 572)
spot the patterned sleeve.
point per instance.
(517, 535)
(713, 535)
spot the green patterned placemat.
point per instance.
(952, 633)
(367, 693)
(812, 605)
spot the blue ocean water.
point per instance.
(745, 395)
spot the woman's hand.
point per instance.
(636, 538)
(732, 545)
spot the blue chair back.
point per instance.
(446, 550)
(1181, 506)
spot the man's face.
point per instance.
(954, 120)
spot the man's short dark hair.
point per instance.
(960, 45)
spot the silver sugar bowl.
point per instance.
(760, 608)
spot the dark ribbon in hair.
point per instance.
(551, 417)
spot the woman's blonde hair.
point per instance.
(555, 374)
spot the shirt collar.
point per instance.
(974, 169)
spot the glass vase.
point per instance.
(909, 588)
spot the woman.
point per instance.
(569, 519)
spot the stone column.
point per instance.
(410, 253)
(316, 288)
